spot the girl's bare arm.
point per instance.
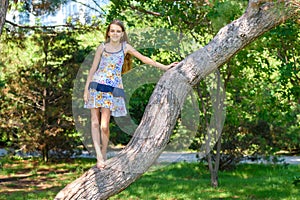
(93, 69)
(147, 60)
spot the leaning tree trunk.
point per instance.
(3, 10)
(153, 133)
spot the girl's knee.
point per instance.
(95, 123)
(104, 128)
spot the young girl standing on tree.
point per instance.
(104, 94)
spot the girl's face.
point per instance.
(115, 33)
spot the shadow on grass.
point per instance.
(12, 179)
(29, 179)
(47, 193)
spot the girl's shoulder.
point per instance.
(102, 45)
(101, 48)
(126, 44)
(127, 47)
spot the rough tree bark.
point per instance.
(3, 10)
(152, 135)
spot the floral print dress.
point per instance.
(106, 87)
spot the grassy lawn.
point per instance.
(32, 179)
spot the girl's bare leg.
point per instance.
(105, 117)
(95, 124)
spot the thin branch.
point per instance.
(19, 100)
(36, 26)
(53, 31)
(144, 11)
(95, 2)
(88, 6)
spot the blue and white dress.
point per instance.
(106, 87)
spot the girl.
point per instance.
(104, 94)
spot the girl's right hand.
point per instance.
(85, 96)
(171, 65)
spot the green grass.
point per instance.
(192, 181)
(31, 179)
(34, 180)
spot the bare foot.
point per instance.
(100, 164)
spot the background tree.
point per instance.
(38, 66)
(39, 92)
(252, 133)
(3, 10)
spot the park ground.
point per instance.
(173, 176)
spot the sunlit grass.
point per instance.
(192, 181)
(33, 179)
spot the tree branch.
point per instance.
(144, 11)
(69, 25)
(88, 6)
(37, 26)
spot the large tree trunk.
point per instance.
(3, 10)
(152, 135)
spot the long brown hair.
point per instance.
(127, 61)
